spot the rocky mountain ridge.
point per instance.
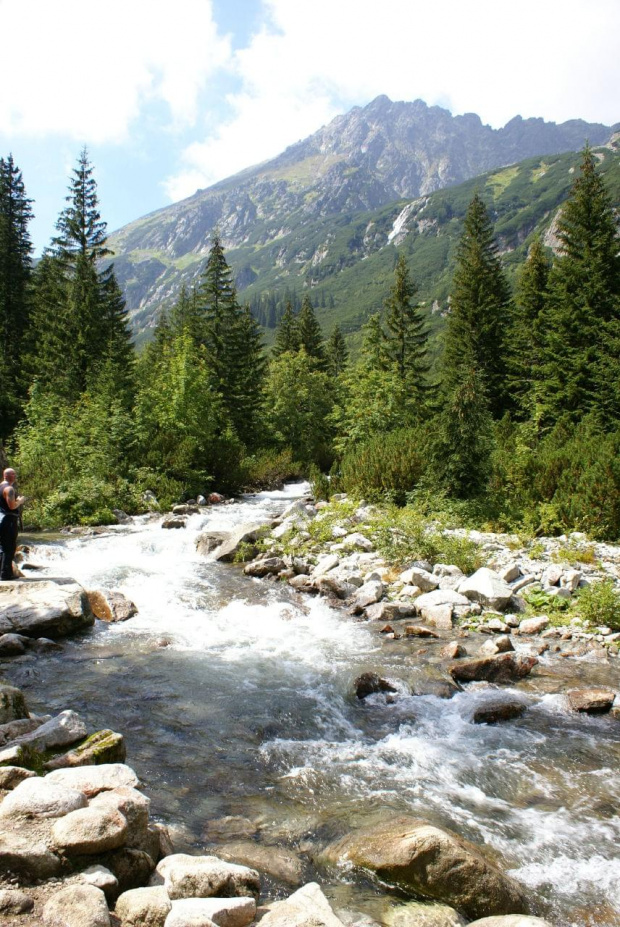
(359, 163)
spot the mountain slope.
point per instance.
(327, 202)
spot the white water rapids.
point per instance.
(235, 697)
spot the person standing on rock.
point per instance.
(10, 505)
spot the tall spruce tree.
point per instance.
(581, 364)
(15, 274)
(337, 353)
(310, 335)
(287, 334)
(479, 311)
(407, 333)
(81, 323)
(527, 331)
(233, 345)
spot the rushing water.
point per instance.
(235, 699)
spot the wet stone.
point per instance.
(371, 683)
(591, 701)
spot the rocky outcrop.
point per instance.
(43, 609)
(434, 863)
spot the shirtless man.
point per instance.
(9, 522)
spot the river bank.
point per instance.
(274, 753)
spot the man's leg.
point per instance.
(8, 545)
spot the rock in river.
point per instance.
(505, 667)
(43, 609)
(431, 862)
(591, 701)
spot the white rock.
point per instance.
(552, 575)
(533, 625)
(510, 572)
(417, 577)
(203, 912)
(368, 594)
(66, 728)
(203, 877)
(90, 830)
(486, 587)
(359, 541)
(307, 907)
(41, 798)
(143, 907)
(325, 563)
(133, 805)
(94, 779)
(447, 569)
(440, 616)
(77, 906)
(440, 597)
(571, 579)
(101, 878)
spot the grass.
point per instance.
(575, 553)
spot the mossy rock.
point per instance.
(101, 747)
(12, 704)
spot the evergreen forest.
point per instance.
(510, 420)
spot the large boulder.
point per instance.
(27, 857)
(505, 667)
(487, 588)
(89, 830)
(143, 907)
(77, 906)
(37, 797)
(43, 609)
(208, 541)
(186, 876)
(307, 907)
(94, 779)
(244, 534)
(433, 863)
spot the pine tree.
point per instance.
(15, 274)
(527, 331)
(310, 335)
(463, 439)
(287, 333)
(374, 345)
(479, 311)
(233, 345)
(219, 310)
(81, 321)
(581, 360)
(337, 353)
(407, 334)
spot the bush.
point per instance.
(405, 534)
(599, 604)
(269, 469)
(387, 466)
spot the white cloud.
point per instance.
(551, 58)
(85, 70)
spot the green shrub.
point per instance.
(599, 604)
(405, 534)
(388, 466)
(268, 469)
(320, 483)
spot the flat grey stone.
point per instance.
(36, 797)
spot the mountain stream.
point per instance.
(235, 699)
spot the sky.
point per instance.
(169, 98)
